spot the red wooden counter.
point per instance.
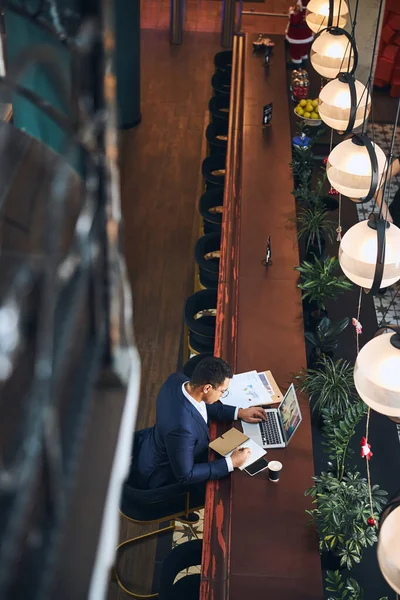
(257, 544)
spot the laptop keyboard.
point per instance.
(270, 431)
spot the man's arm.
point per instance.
(180, 445)
(218, 412)
(221, 412)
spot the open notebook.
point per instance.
(232, 439)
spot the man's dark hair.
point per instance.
(211, 370)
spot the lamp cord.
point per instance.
(353, 27)
(367, 463)
(369, 82)
(339, 227)
(368, 412)
(390, 166)
(338, 16)
(358, 319)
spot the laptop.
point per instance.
(281, 423)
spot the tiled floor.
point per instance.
(183, 533)
(387, 305)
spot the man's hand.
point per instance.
(240, 456)
(254, 414)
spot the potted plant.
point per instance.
(324, 339)
(341, 516)
(344, 590)
(330, 385)
(303, 162)
(320, 282)
(314, 227)
(338, 432)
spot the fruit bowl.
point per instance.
(311, 122)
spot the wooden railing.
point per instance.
(218, 505)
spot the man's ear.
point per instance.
(206, 388)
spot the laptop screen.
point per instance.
(290, 414)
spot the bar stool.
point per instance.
(206, 254)
(200, 318)
(210, 208)
(192, 363)
(217, 143)
(181, 557)
(213, 171)
(223, 60)
(221, 83)
(219, 111)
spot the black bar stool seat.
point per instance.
(213, 171)
(200, 318)
(206, 254)
(221, 83)
(217, 143)
(210, 208)
(219, 112)
(223, 60)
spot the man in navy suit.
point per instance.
(174, 451)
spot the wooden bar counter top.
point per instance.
(257, 543)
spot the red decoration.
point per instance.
(333, 192)
(358, 327)
(371, 521)
(325, 160)
(365, 449)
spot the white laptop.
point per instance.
(281, 423)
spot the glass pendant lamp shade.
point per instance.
(358, 254)
(317, 14)
(377, 374)
(389, 549)
(335, 104)
(349, 168)
(332, 53)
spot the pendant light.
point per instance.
(318, 12)
(377, 372)
(333, 51)
(355, 167)
(344, 103)
(388, 543)
(370, 257)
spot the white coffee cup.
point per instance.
(274, 470)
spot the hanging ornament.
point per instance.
(371, 521)
(377, 372)
(317, 14)
(331, 53)
(339, 234)
(358, 252)
(344, 103)
(365, 449)
(355, 167)
(332, 192)
(356, 323)
(325, 160)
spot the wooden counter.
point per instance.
(257, 543)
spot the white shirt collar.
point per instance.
(200, 406)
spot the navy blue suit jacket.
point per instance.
(175, 449)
